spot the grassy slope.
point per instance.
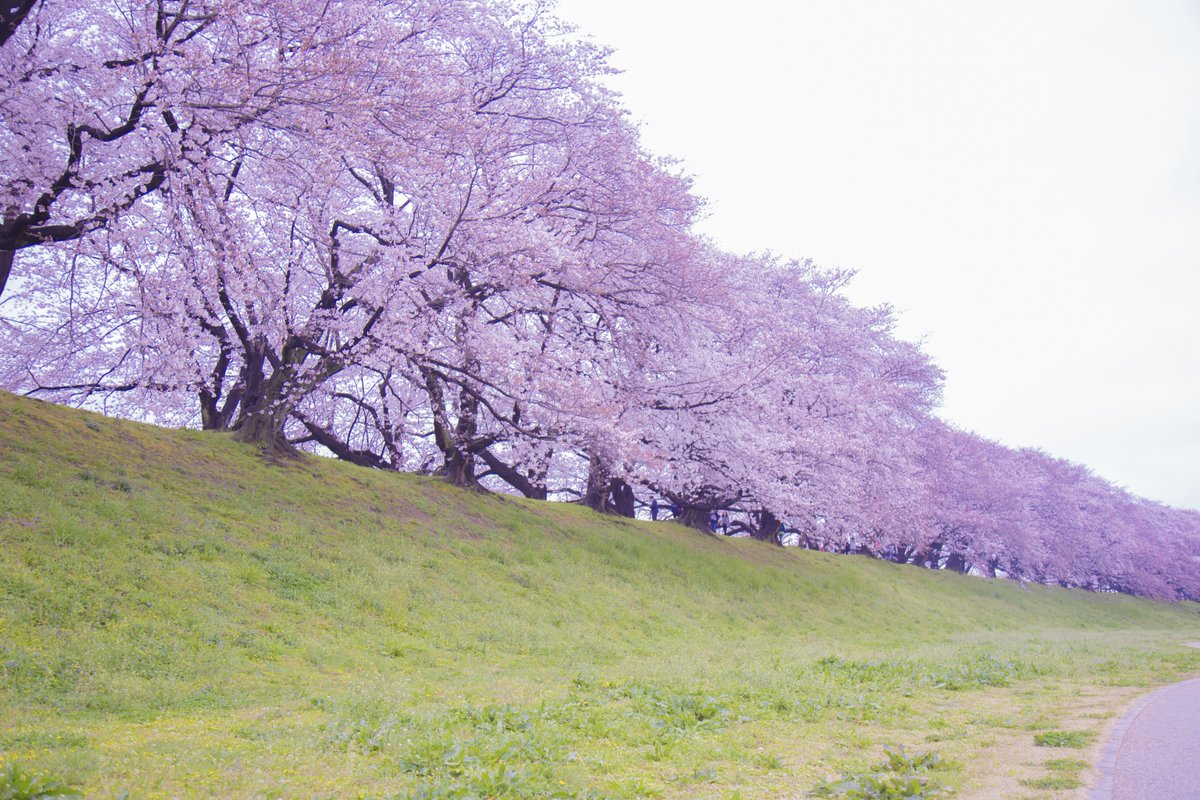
(180, 617)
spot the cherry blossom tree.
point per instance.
(1026, 515)
(475, 183)
(786, 402)
(105, 102)
(422, 236)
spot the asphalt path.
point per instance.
(1154, 752)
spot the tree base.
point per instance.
(266, 439)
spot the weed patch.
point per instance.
(17, 784)
(1053, 782)
(980, 670)
(899, 776)
(1073, 739)
(1064, 775)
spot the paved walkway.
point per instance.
(1154, 753)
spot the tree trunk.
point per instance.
(768, 527)
(598, 489)
(930, 557)
(957, 563)
(458, 459)
(264, 408)
(459, 469)
(211, 418)
(261, 423)
(264, 427)
(215, 416)
(696, 517)
(6, 263)
(624, 501)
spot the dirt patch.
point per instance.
(1003, 768)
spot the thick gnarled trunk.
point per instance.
(268, 399)
(767, 527)
(623, 500)
(264, 412)
(457, 440)
(595, 493)
(696, 517)
(608, 494)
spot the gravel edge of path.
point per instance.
(1102, 790)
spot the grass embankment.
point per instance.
(181, 618)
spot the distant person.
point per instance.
(675, 510)
(724, 518)
(654, 509)
(712, 521)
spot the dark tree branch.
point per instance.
(12, 14)
(325, 438)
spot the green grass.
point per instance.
(899, 776)
(1057, 783)
(181, 617)
(1073, 739)
(1064, 775)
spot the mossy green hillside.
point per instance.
(180, 616)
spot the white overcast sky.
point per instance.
(1021, 180)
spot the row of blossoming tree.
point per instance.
(421, 235)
